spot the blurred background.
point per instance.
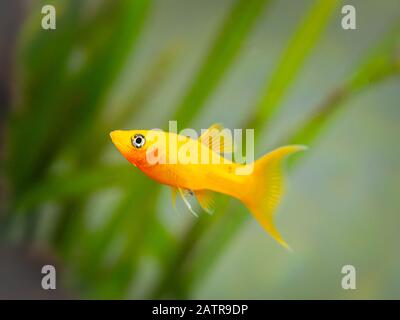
(286, 68)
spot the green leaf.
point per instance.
(222, 54)
(97, 139)
(44, 58)
(61, 112)
(384, 62)
(293, 58)
(75, 185)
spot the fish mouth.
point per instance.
(116, 138)
(115, 133)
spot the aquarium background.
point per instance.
(285, 68)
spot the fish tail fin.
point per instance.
(266, 188)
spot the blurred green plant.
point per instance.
(62, 124)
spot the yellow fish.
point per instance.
(163, 156)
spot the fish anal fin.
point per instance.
(206, 200)
(183, 193)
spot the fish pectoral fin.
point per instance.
(183, 193)
(206, 199)
(215, 140)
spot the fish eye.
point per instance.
(138, 141)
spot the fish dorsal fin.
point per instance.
(206, 200)
(214, 139)
(183, 193)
